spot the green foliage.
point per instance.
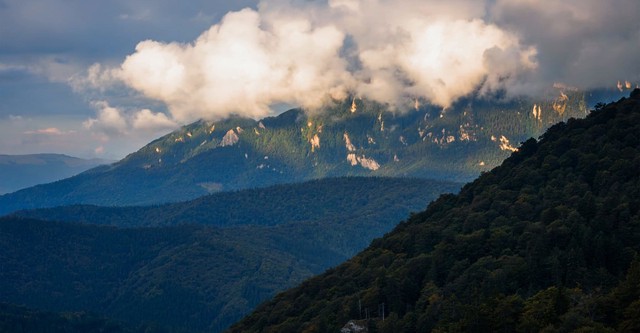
(237, 250)
(545, 242)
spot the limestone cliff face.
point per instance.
(229, 139)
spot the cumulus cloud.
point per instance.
(146, 119)
(111, 120)
(238, 66)
(308, 53)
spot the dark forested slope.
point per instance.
(547, 241)
(329, 199)
(222, 255)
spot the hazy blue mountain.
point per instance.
(547, 242)
(354, 138)
(22, 171)
(216, 257)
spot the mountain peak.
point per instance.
(471, 137)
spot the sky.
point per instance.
(94, 78)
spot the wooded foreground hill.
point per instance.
(548, 241)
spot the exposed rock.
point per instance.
(353, 326)
(347, 143)
(505, 145)
(229, 139)
(315, 142)
(369, 163)
(352, 159)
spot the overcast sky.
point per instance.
(97, 78)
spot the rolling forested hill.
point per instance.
(204, 263)
(548, 241)
(329, 199)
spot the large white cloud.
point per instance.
(114, 121)
(309, 52)
(238, 66)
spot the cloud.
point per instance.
(308, 53)
(49, 131)
(148, 120)
(110, 120)
(114, 121)
(585, 43)
(239, 67)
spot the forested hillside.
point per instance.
(329, 199)
(222, 255)
(548, 242)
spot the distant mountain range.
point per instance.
(197, 266)
(22, 171)
(547, 242)
(354, 138)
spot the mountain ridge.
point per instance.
(22, 171)
(204, 157)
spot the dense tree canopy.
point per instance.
(548, 242)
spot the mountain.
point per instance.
(548, 241)
(353, 138)
(199, 265)
(22, 171)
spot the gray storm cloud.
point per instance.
(309, 53)
(584, 43)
